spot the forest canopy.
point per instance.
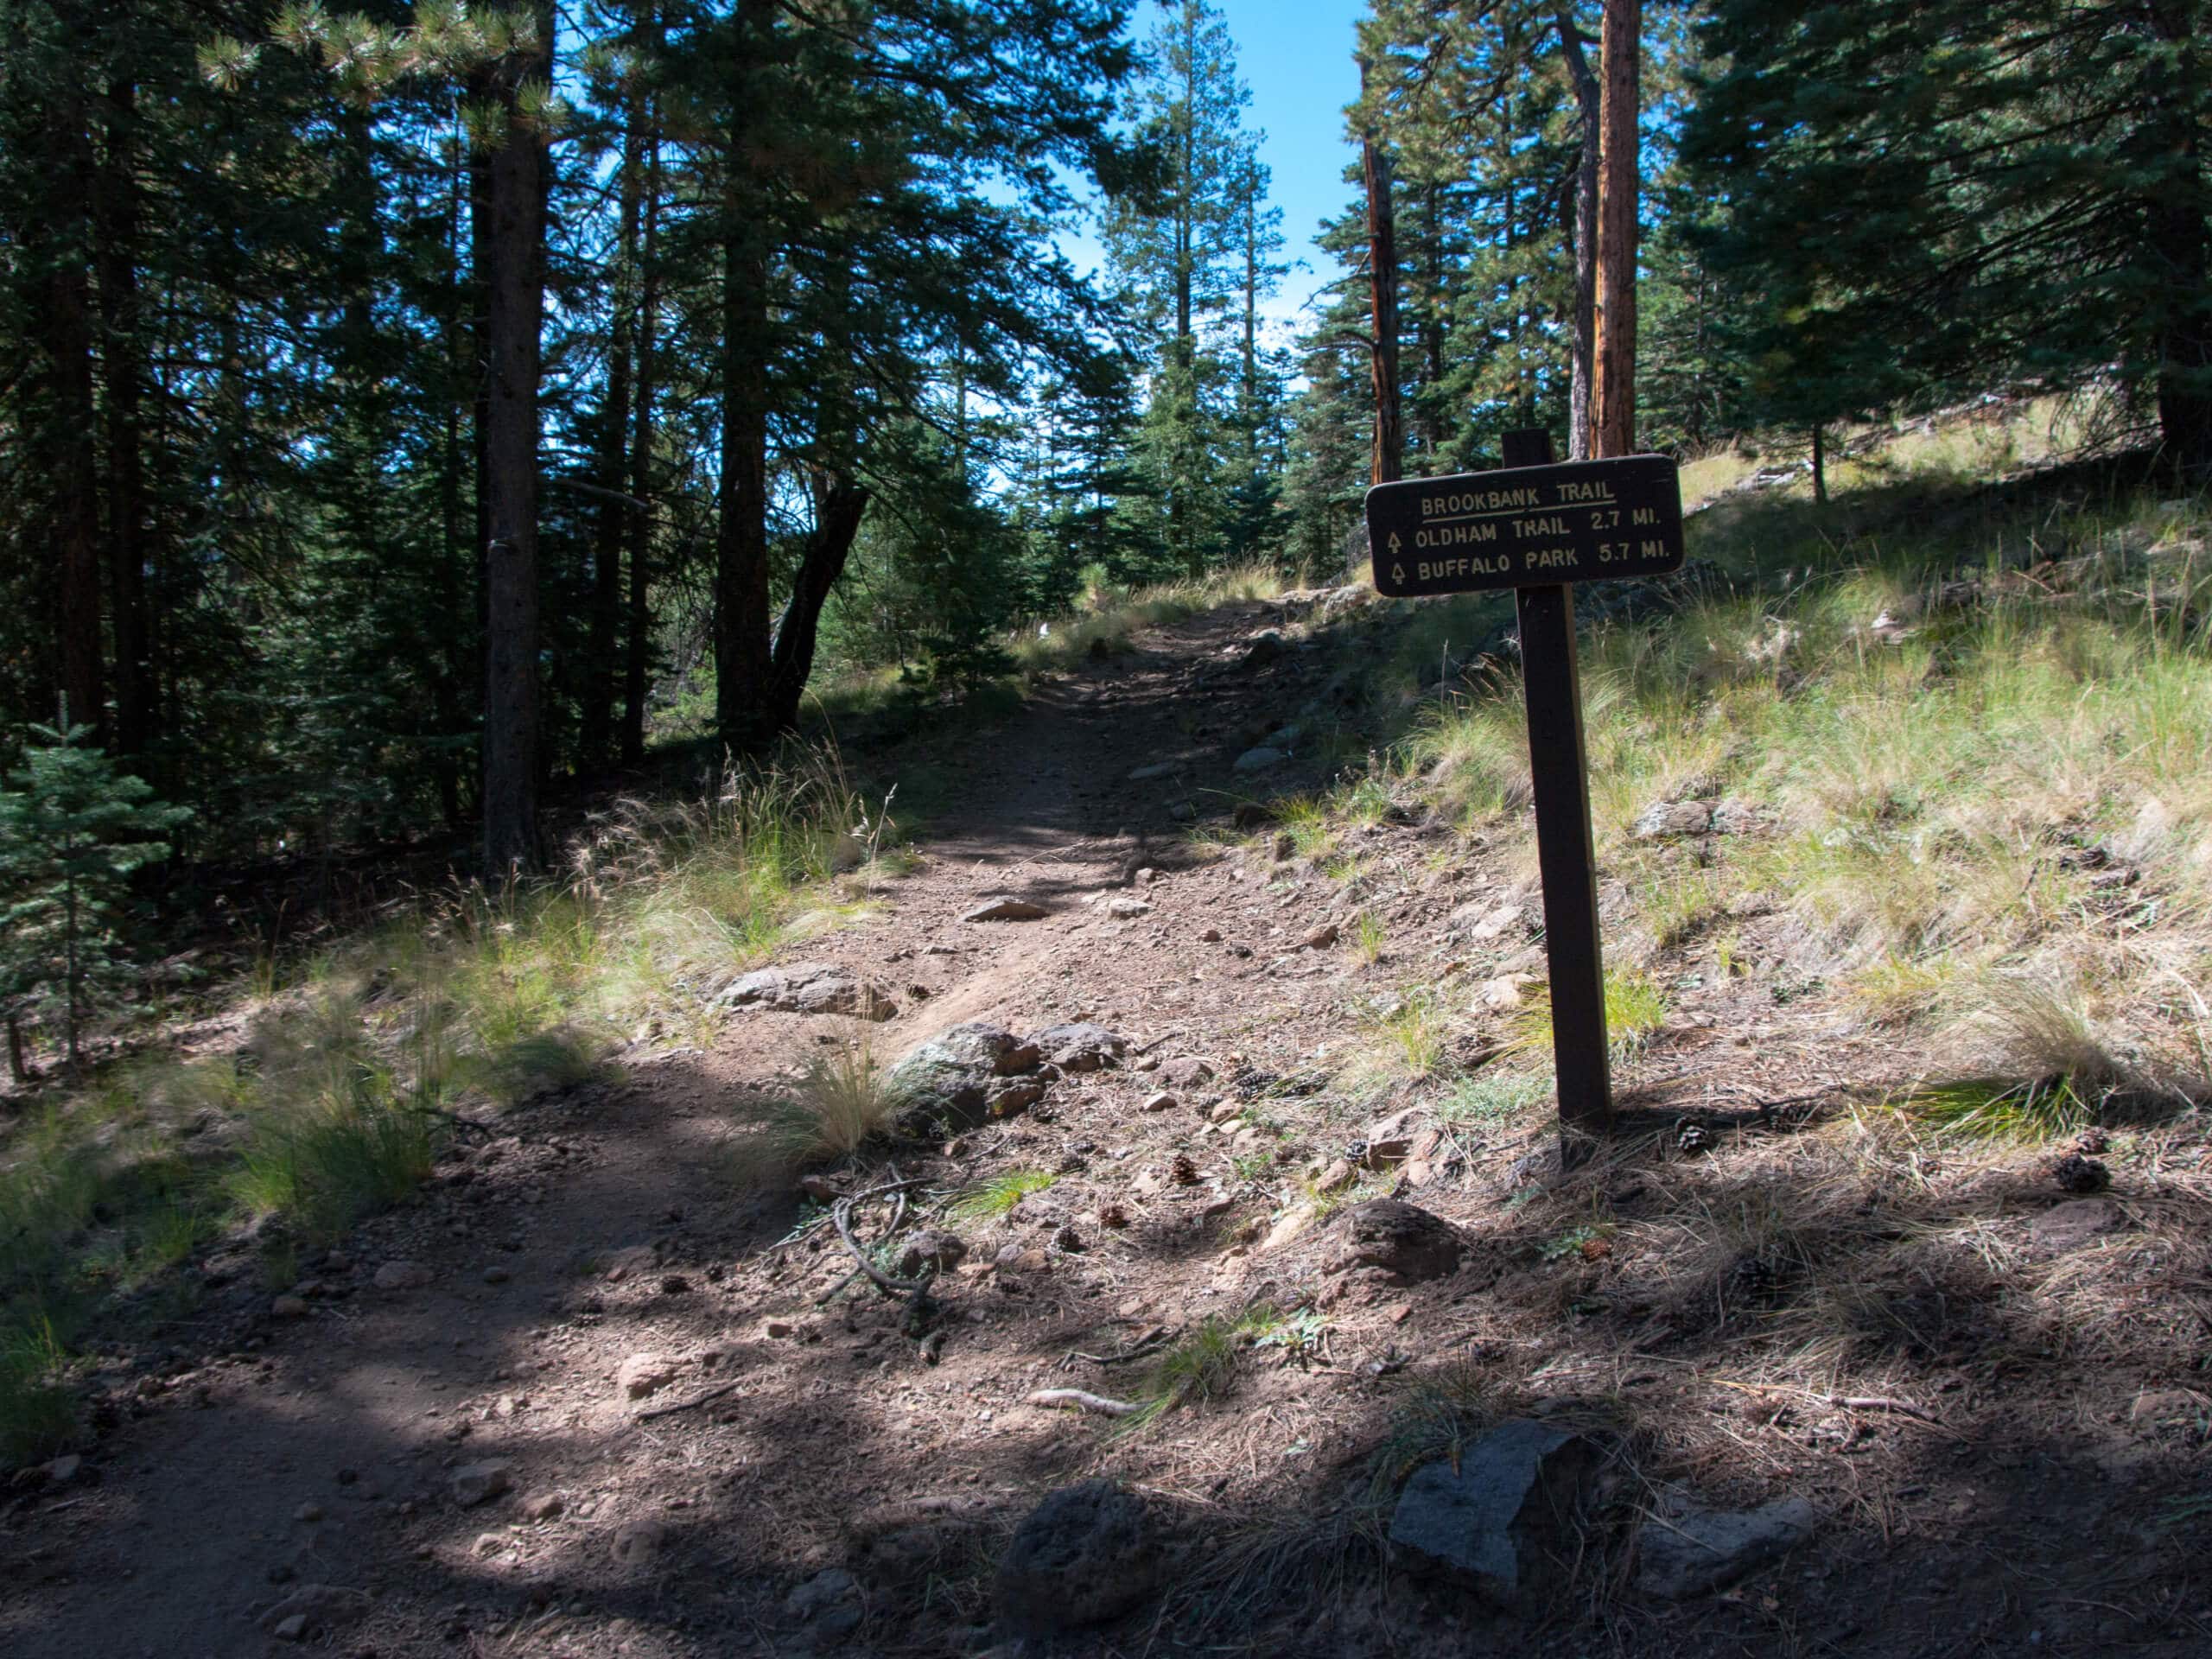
(411, 414)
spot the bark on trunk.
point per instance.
(1589, 101)
(638, 649)
(514, 286)
(741, 538)
(1389, 449)
(839, 506)
(1613, 397)
(120, 359)
(596, 735)
(69, 462)
(2179, 247)
(1820, 466)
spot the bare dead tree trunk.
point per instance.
(1613, 399)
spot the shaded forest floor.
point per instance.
(592, 1389)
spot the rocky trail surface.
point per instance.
(589, 1395)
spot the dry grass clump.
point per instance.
(1111, 613)
(348, 1077)
(842, 1100)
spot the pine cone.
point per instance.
(2077, 1173)
(2091, 1144)
(1752, 1279)
(1183, 1172)
(1692, 1137)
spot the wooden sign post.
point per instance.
(1538, 528)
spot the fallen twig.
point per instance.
(692, 1404)
(1149, 1345)
(1085, 1401)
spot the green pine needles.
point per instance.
(74, 827)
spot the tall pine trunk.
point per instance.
(67, 459)
(596, 737)
(514, 307)
(1389, 449)
(637, 646)
(1613, 396)
(2178, 251)
(741, 537)
(122, 376)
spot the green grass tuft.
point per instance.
(995, 1197)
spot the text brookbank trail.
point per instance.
(1536, 528)
(1582, 521)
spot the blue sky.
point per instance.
(1296, 57)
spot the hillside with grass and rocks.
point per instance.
(1076, 1171)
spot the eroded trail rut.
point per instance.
(602, 1226)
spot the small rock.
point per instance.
(545, 1507)
(828, 1604)
(1404, 1241)
(1209, 936)
(642, 1376)
(402, 1276)
(1663, 819)
(1007, 910)
(1127, 908)
(1080, 1048)
(1266, 646)
(308, 1514)
(1321, 937)
(1288, 1226)
(1483, 923)
(1506, 992)
(775, 1330)
(1337, 1175)
(1183, 811)
(636, 1543)
(496, 1275)
(1686, 1549)
(1086, 1554)
(820, 1189)
(1156, 771)
(1186, 1072)
(935, 1247)
(1263, 758)
(487, 1544)
(1162, 1102)
(289, 1307)
(474, 1483)
(1501, 1520)
(313, 1607)
(64, 1469)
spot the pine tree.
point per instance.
(1924, 198)
(1179, 249)
(73, 829)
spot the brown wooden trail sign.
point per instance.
(1537, 528)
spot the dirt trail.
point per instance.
(322, 1453)
(704, 1456)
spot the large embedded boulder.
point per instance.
(959, 1077)
(810, 988)
(1501, 1519)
